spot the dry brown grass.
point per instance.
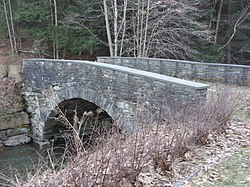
(10, 95)
(117, 160)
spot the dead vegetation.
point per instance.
(159, 145)
(10, 96)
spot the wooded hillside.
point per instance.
(204, 30)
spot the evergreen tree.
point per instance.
(72, 31)
(230, 21)
(205, 30)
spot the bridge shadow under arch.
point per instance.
(77, 113)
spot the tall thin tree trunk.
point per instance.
(212, 12)
(228, 51)
(56, 24)
(141, 30)
(134, 36)
(115, 28)
(218, 22)
(138, 28)
(146, 31)
(12, 29)
(229, 55)
(108, 28)
(124, 25)
(8, 26)
(52, 24)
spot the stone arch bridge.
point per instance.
(116, 89)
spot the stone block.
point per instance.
(17, 140)
(14, 120)
(3, 134)
(18, 108)
(15, 72)
(17, 131)
(3, 71)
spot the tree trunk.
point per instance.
(138, 29)
(12, 29)
(115, 28)
(212, 14)
(124, 25)
(56, 24)
(141, 30)
(146, 31)
(8, 26)
(218, 22)
(108, 28)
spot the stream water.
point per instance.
(24, 159)
(28, 158)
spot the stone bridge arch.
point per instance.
(114, 88)
(59, 93)
(94, 123)
(40, 105)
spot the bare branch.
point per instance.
(243, 16)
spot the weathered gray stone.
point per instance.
(211, 72)
(113, 88)
(18, 108)
(14, 120)
(17, 140)
(15, 72)
(17, 131)
(3, 134)
(3, 71)
(1, 144)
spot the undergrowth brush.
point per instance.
(116, 159)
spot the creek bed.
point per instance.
(24, 159)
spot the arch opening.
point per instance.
(87, 119)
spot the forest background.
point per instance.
(199, 30)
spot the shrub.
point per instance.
(117, 160)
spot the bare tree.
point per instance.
(115, 28)
(218, 21)
(54, 22)
(243, 16)
(10, 26)
(108, 28)
(119, 25)
(152, 28)
(124, 25)
(146, 29)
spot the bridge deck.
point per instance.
(209, 72)
(116, 89)
(151, 75)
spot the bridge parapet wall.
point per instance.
(211, 72)
(115, 89)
